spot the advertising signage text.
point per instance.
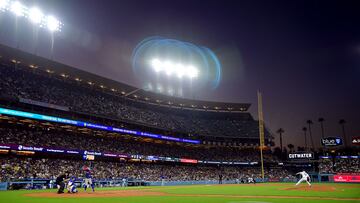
(355, 140)
(331, 141)
(347, 178)
(301, 155)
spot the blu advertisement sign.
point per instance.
(331, 141)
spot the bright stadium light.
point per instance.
(192, 72)
(52, 24)
(157, 65)
(169, 67)
(35, 15)
(178, 69)
(4, 4)
(17, 8)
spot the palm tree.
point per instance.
(281, 131)
(291, 147)
(342, 123)
(305, 129)
(309, 122)
(321, 121)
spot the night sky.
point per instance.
(303, 55)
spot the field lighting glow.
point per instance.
(183, 66)
(171, 68)
(34, 15)
(52, 23)
(17, 8)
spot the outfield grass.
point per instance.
(276, 193)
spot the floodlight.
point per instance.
(177, 68)
(52, 23)
(192, 72)
(4, 4)
(169, 67)
(17, 8)
(180, 70)
(35, 15)
(156, 64)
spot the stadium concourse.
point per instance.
(55, 119)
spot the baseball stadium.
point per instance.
(70, 135)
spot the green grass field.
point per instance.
(280, 192)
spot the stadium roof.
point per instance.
(133, 93)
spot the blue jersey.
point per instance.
(88, 174)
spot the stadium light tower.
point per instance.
(171, 68)
(17, 8)
(52, 24)
(156, 64)
(35, 15)
(4, 4)
(192, 72)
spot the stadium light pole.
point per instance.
(53, 25)
(18, 10)
(34, 15)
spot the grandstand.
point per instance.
(55, 115)
(77, 92)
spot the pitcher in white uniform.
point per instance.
(304, 177)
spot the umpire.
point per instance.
(60, 182)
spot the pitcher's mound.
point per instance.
(321, 188)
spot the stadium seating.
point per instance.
(26, 168)
(80, 98)
(23, 82)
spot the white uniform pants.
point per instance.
(302, 180)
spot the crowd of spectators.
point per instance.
(339, 165)
(21, 82)
(13, 168)
(59, 138)
(349, 165)
(326, 166)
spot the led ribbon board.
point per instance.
(92, 125)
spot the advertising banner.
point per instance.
(331, 141)
(192, 161)
(301, 155)
(355, 140)
(347, 178)
(92, 125)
